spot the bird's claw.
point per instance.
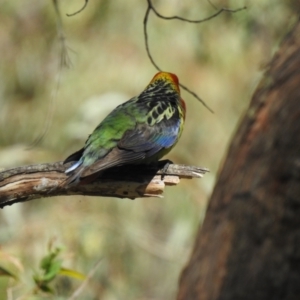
(165, 165)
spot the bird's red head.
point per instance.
(170, 77)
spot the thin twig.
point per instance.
(212, 4)
(196, 96)
(80, 10)
(65, 59)
(79, 290)
(223, 9)
(145, 22)
(65, 62)
(146, 38)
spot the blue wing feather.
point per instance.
(150, 139)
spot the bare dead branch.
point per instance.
(44, 180)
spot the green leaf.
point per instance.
(48, 259)
(53, 270)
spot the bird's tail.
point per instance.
(74, 173)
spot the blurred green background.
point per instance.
(143, 244)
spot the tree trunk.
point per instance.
(249, 244)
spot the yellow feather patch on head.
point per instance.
(169, 77)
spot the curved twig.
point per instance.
(221, 10)
(145, 22)
(65, 62)
(80, 10)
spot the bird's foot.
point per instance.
(164, 164)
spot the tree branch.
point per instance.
(44, 180)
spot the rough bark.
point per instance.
(249, 244)
(46, 180)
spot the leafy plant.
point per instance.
(50, 268)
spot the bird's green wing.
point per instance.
(145, 142)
